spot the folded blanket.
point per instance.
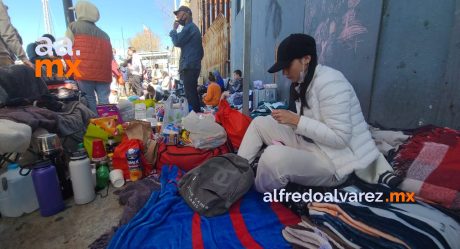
(35, 117)
(386, 225)
(430, 163)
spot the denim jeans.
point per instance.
(190, 78)
(93, 88)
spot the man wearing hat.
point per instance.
(189, 40)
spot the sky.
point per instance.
(115, 16)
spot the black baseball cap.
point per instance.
(184, 9)
(295, 46)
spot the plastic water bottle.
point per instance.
(80, 174)
(47, 188)
(150, 112)
(17, 194)
(126, 110)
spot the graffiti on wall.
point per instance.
(333, 22)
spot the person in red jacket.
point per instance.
(117, 81)
(95, 54)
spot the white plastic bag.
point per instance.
(205, 133)
(175, 109)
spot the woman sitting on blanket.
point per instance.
(325, 140)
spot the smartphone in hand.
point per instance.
(268, 106)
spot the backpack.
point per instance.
(215, 185)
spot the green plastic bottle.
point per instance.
(102, 175)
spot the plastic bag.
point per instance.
(93, 132)
(175, 109)
(205, 133)
(108, 124)
(234, 122)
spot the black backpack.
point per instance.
(211, 188)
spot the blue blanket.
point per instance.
(166, 221)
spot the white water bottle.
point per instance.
(80, 174)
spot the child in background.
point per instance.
(212, 96)
(154, 92)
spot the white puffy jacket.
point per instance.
(336, 123)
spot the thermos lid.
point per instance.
(42, 164)
(79, 154)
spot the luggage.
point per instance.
(186, 158)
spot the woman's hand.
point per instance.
(286, 117)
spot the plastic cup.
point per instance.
(116, 178)
(98, 150)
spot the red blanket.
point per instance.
(430, 163)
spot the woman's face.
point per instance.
(297, 65)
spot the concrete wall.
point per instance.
(272, 21)
(402, 57)
(236, 38)
(409, 74)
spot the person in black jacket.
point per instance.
(189, 40)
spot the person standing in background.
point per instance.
(95, 54)
(117, 81)
(135, 71)
(190, 42)
(10, 41)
